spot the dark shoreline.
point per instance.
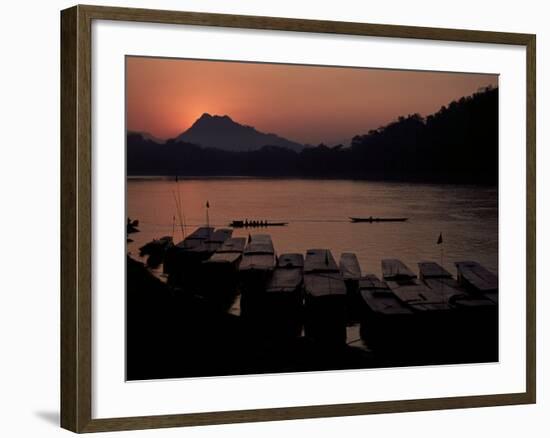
(397, 180)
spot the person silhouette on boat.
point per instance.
(246, 222)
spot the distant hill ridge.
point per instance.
(458, 143)
(146, 136)
(222, 132)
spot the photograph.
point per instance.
(289, 218)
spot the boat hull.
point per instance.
(378, 219)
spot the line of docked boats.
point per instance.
(402, 316)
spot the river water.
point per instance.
(318, 214)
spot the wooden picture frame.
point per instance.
(76, 217)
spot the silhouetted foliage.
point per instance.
(459, 143)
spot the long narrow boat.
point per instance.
(288, 276)
(325, 299)
(197, 249)
(207, 247)
(386, 322)
(478, 279)
(256, 268)
(475, 316)
(226, 258)
(256, 224)
(349, 267)
(155, 250)
(394, 269)
(219, 236)
(402, 281)
(283, 305)
(177, 257)
(195, 238)
(433, 324)
(220, 271)
(233, 244)
(351, 273)
(378, 219)
(440, 280)
(259, 254)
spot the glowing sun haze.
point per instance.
(307, 104)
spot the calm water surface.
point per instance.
(318, 214)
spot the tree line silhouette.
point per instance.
(458, 143)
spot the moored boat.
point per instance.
(203, 250)
(227, 257)
(475, 316)
(220, 271)
(325, 299)
(434, 325)
(387, 323)
(177, 257)
(477, 279)
(282, 313)
(394, 269)
(155, 250)
(257, 266)
(351, 273)
(259, 254)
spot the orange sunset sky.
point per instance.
(307, 104)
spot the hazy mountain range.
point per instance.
(146, 136)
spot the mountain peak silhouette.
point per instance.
(222, 132)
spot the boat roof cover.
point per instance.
(203, 247)
(320, 260)
(319, 284)
(477, 276)
(258, 262)
(195, 238)
(189, 244)
(224, 257)
(201, 233)
(371, 281)
(433, 270)
(384, 301)
(419, 296)
(292, 260)
(285, 280)
(259, 244)
(349, 266)
(220, 235)
(233, 244)
(394, 268)
(447, 287)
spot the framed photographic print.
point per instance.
(268, 218)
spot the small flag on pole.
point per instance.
(440, 239)
(326, 258)
(249, 238)
(207, 204)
